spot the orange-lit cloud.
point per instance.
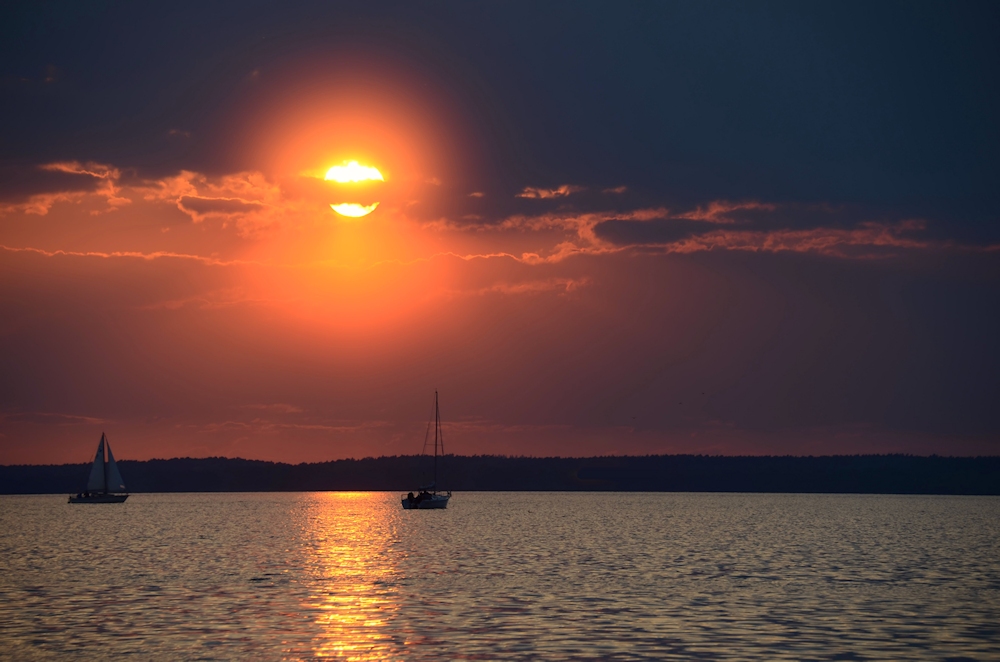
(258, 307)
(870, 240)
(720, 211)
(107, 188)
(41, 203)
(545, 193)
(123, 254)
(289, 212)
(109, 176)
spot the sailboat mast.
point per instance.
(437, 426)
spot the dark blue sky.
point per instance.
(891, 106)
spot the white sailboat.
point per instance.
(428, 497)
(105, 484)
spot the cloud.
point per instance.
(41, 203)
(126, 254)
(250, 204)
(97, 170)
(719, 225)
(699, 231)
(623, 232)
(109, 176)
(202, 208)
(105, 187)
(561, 285)
(869, 240)
(262, 425)
(214, 299)
(247, 201)
(51, 418)
(545, 193)
(278, 408)
(479, 426)
(722, 211)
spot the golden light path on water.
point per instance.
(353, 567)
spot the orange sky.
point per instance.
(238, 315)
(223, 308)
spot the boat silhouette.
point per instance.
(428, 497)
(105, 484)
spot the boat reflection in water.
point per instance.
(352, 576)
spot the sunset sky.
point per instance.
(719, 228)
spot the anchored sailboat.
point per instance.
(105, 484)
(428, 497)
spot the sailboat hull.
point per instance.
(433, 502)
(99, 498)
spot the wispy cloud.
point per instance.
(109, 176)
(127, 254)
(545, 193)
(472, 426)
(216, 299)
(870, 240)
(562, 285)
(720, 211)
(200, 208)
(277, 408)
(719, 225)
(247, 201)
(262, 425)
(51, 418)
(41, 203)
(107, 188)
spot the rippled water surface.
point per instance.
(501, 576)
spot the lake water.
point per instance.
(550, 576)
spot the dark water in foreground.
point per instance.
(501, 576)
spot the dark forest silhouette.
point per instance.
(876, 474)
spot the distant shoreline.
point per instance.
(832, 474)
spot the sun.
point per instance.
(353, 174)
(354, 210)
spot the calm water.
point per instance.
(501, 576)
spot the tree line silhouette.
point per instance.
(872, 474)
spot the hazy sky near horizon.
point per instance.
(698, 227)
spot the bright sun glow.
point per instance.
(353, 172)
(354, 210)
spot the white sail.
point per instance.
(96, 481)
(115, 482)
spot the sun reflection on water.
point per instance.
(354, 575)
